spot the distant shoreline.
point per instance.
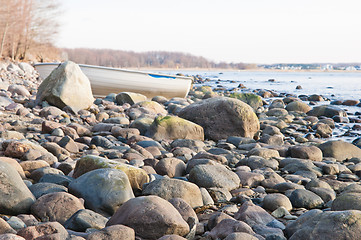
(241, 70)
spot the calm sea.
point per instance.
(333, 85)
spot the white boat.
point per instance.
(105, 80)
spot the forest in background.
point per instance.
(151, 59)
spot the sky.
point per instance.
(249, 31)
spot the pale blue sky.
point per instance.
(252, 31)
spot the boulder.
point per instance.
(229, 226)
(273, 201)
(251, 99)
(67, 85)
(151, 107)
(142, 124)
(218, 176)
(15, 197)
(318, 225)
(137, 176)
(14, 164)
(172, 237)
(194, 145)
(40, 189)
(8, 134)
(339, 150)
(49, 230)
(168, 188)
(306, 152)
(129, 97)
(222, 117)
(184, 209)
(114, 232)
(172, 167)
(250, 179)
(151, 217)
(5, 227)
(84, 219)
(323, 130)
(5, 101)
(301, 198)
(240, 236)
(58, 206)
(293, 165)
(253, 215)
(172, 127)
(264, 153)
(107, 189)
(19, 90)
(347, 201)
(327, 111)
(216, 218)
(256, 162)
(298, 106)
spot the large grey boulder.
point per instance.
(301, 198)
(210, 176)
(58, 206)
(222, 117)
(298, 106)
(129, 97)
(169, 188)
(318, 225)
(48, 230)
(340, 150)
(173, 127)
(84, 219)
(136, 176)
(113, 232)
(151, 217)
(15, 197)
(347, 201)
(104, 190)
(67, 85)
(327, 111)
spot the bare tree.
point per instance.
(26, 26)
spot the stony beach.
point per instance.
(217, 164)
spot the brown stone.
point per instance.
(229, 117)
(57, 206)
(49, 230)
(114, 232)
(151, 217)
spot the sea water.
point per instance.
(331, 85)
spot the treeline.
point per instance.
(28, 29)
(153, 59)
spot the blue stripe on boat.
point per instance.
(160, 76)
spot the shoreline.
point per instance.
(239, 70)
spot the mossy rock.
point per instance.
(129, 97)
(251, 99)
(153, 106)
(142, 124)
(137, 176)
(173, 127)
(298, 106)
(205, 89)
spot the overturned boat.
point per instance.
(105, 80)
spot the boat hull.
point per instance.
(106, 80)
